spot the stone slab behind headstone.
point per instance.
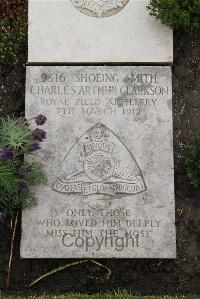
(60, 32)
(109, 160)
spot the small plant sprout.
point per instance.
(16, 175)
(16, 139)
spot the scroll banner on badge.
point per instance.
(99, 188)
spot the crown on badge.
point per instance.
(99, 132)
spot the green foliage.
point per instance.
(17, 176)
(15, 134)
(8, 177)
(176, 13)
(192, 161)
(12, 196)
(13, 31)
(36, 176)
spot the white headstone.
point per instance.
(109, 160)
(80, 31)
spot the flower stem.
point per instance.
(11, 250)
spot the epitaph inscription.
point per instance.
(109, 159)
(99, 8)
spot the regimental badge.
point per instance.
(99, 8)
(99, 163)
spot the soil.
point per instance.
(143, 276)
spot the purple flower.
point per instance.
(40, 119)
(35, 146)
(39, 135)
(24, 170)
(24, 185)
(6, 153)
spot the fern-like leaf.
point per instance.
(26, 199)
(8, 179)
(37, 176)
(15, 134)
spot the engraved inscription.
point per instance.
(99, 167)
(109, 160)
(99, 8)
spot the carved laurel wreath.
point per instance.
(99, 8)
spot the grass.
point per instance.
(115, 295)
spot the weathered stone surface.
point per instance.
(90, 31)
(109, 159)
(99, 8)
